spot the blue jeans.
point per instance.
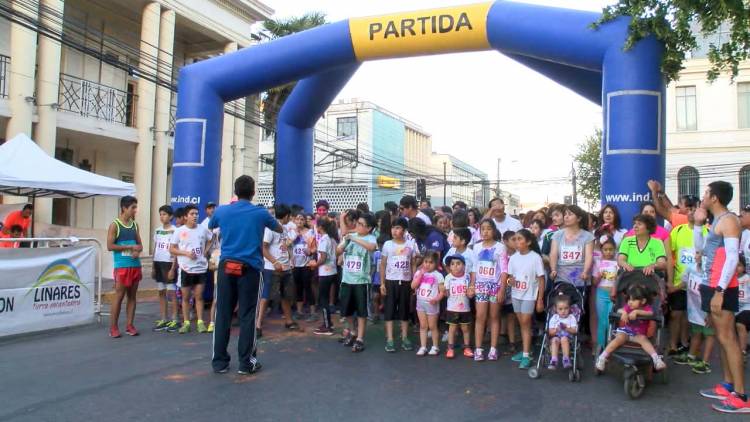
(603, 308)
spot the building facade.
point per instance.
(104, 99)
(363, 154)
(708, 129)
(457, 181)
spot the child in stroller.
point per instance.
(633, 327)
(566, 296)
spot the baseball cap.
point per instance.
(450, 258)
(211, 205)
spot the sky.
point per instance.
(477, 106)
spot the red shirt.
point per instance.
(16, 218)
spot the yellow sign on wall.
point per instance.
(452, 29)
(388, 182)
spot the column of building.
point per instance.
(47, 90)
(163, 111)
(145, 118)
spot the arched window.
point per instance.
(688, 181)
(744, 186)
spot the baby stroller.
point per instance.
(577, 299)
(637, 364)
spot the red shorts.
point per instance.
(128, 277)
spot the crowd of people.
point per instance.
(456, 271)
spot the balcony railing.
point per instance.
(4, 67)
(91, 99)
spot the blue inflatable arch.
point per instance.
(557, 43)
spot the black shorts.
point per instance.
(744, 319)
(731, 301)
(354, 299)
(191, 280)
(161, 272)
(397, 300)
(677, 301)
(507, 309)
(453, 318)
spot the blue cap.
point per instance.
(450, 258)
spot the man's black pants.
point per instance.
(230, 290)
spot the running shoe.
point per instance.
(468, 352)
(291, 327)
(390, 347)
(450, 354)
(434, 351)
(552, 364)
(114, 332)
(601, 363)
(478, 355)
(684, 359)
(659, 363)
(130, 330)
(358, 346)
(222, 370)
(733, 404)
(673, 352)
(210, 328)
(323, 331)
(422, 351)
(444, 339)
(250, 369)
(701, 367)
(406, 344)
(517, 357)
(525, 363)
(160, 325)
(348, 340)
(201, 326)
(683, 349)
(567, 364)
(718, 392)
(172, 326)
(492, 355)
(185, 328)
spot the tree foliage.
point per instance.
(671, 21)
(588, 164)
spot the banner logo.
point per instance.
(452, 29)
(58, 286)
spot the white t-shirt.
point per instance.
(569, 321)
(745, 248)
(457, 289)
(475, 237)
(194, 240)
(429, 286)
(277, 248)
(525, 269)
(327, 246)
(469, 257)
(300, 248)
(490, 262)
(162, 239)
(744, 292)
(422, 216)
(607, 270)
(509, 223)
(398, 259)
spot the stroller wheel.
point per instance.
(634, 386)
(534, 373)
(574, 375)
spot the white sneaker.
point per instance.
(422, 351)
(445, 337)
(601, 362)
(659, 363)
(434, 351)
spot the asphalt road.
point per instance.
(81, 374)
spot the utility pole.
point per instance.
(575, 190)
(445, 183)
(497, 183)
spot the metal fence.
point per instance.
(91, 99)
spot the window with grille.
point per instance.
(688, 180)
(743, 104)
(342, 196)
(686, 108)
(266, 162)
(344, 157)
(744, 186)
(346, 128)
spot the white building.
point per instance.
(461, 182)
(95, 102)
(708, 130)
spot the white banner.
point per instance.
(46, 288)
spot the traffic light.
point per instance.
(421, 189)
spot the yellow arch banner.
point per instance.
(450, 29)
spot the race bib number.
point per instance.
(486, 269)
(571, 254)
(743, 297)
(694, 284)
(401, 263)
(425, 291)
(162, 245)
(521, 285)
(459, 289)
(687, 257)
(299, 251)
(353, 264)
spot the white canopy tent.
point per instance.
(26, 170)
